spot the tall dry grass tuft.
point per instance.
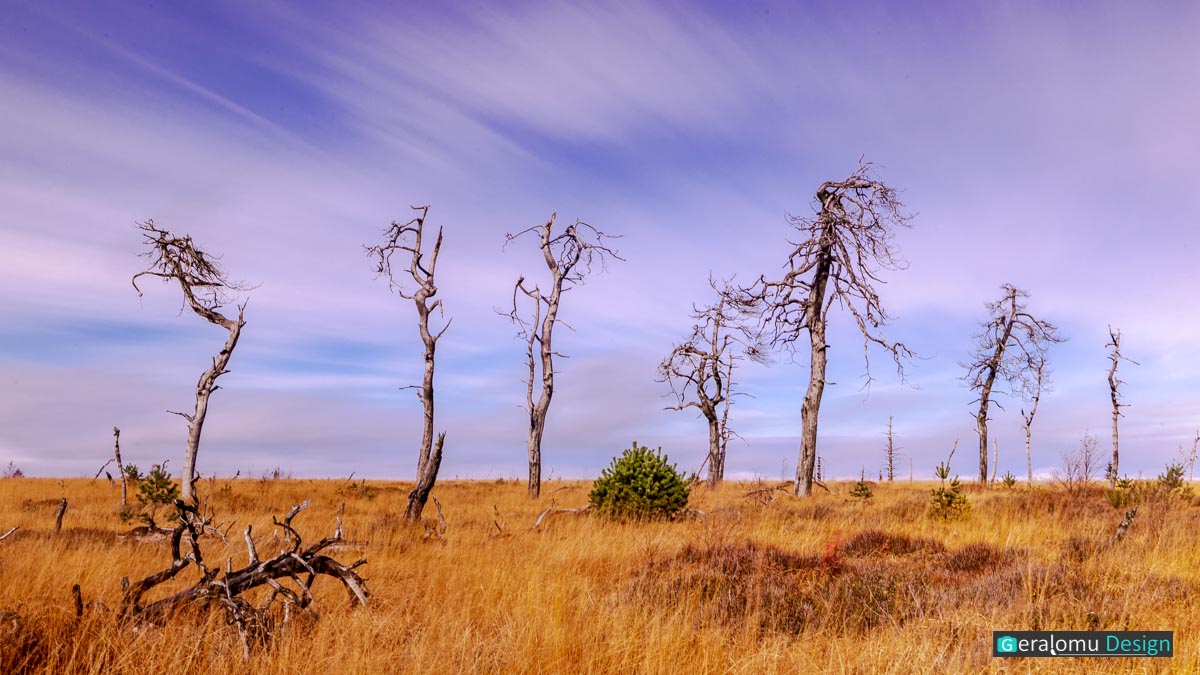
(815, 585)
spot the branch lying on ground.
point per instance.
(225, 590)
(552, 509)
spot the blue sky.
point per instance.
(1052, 147)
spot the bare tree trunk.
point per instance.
(537, 422)
(981, 420)
(716, 469)
(985, 394)
(1027, 418)
(716, 463)
(204, 389)
(426, 477)
(537, 416)
(62, 509)
(1029, 453)
(430, 457)
(816, 387)
(891, 453)
(1192, 458)
(995, 459)
(120, 467)
(1114, 386)
(533, 443)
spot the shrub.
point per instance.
(861, 489)
(947, 502)
(1123, 494)
(12, 471)
(1009, 480)
(639, 484)
(1172, 478)
(132, 473)
(157, 488)
(1172, 482)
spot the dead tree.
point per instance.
(700, 373)
(225, 591)
(120, 467)
(1114, 386)
(58, 515)
(205, 289)
(843, 250)
(570, 256)
(1009, 350)
(995, 460)
(1042, 383)
(406, 239)
(891, 452)
(1192, 457)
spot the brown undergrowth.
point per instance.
(825, 584)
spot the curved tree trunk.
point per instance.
(430, 458)
(204, 389)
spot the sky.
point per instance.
(1051, 146)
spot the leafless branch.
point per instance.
(552, 510)
(215, 589)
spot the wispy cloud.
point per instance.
(1047, 147)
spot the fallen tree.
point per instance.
(297, 565)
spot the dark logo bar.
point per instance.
(1083, 643)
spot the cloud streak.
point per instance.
(1049, 148)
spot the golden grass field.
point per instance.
(789, 586)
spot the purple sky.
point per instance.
(1049, 148)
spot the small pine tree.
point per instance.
(640, 484)
(155, 489)
(947, 502)
(861, 490)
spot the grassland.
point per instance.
(827, 584)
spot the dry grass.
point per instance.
(822, 585)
